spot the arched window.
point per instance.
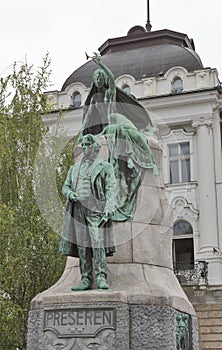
(183, 251)
(182, 227)
(177, 85)
(76, 99)
(126, 88)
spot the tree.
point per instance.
(29, 258)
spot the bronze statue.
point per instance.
(105, 98)
(97, 191)
(124, 122)
(87, 230)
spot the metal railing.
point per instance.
(193, 273)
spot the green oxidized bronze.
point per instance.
(99, 192)
(182, 331)
(119, 116)
(87, 230)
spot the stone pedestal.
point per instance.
(140, 309)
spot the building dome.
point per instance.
(141, 55)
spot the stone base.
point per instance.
(138, 312)
(105, 325)
(145, 308)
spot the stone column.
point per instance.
(218, 171)
(206, 185)
(207, 198)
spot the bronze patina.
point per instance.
(98, 191)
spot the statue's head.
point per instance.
(99, 78)
(90, 145)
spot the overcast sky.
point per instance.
(68, 28)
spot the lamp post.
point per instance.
(148, 25)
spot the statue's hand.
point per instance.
(73, 197)
(107, 214)
(96, 57)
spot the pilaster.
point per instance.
(207, 198)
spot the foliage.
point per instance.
(29, 258)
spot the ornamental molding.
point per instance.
(184, 210)
(178, 135)
(125, 79)
(177, 71)
(149, 86)
(76, 87)
(216, 106)
(203, 121)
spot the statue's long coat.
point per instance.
(103, 188)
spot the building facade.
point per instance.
(184, 101)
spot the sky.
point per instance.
(66, 29)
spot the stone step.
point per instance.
(210, 314)
(208, 307)
(210, 326)
(211, 329)
(209, 321)
(211, 345)
(211, 337)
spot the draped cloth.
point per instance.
(119, 116)
(96, 117)
(130, 155)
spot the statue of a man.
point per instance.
(87, 230)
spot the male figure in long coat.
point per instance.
(87, 230)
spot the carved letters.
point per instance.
(70, 323)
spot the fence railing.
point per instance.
(193, 273)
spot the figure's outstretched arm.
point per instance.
(109, 74)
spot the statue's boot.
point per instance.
(85, 255)
(101, 282)
(100, 268)
(84, 285)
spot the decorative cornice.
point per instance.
(184, 210)
(177, 135)
(202, 121)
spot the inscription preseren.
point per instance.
(85, 322)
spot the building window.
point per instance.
(126, 88)
(76, 99)
(179, 162)
(183, 250)
(177, 85)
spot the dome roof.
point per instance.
(142, 55)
